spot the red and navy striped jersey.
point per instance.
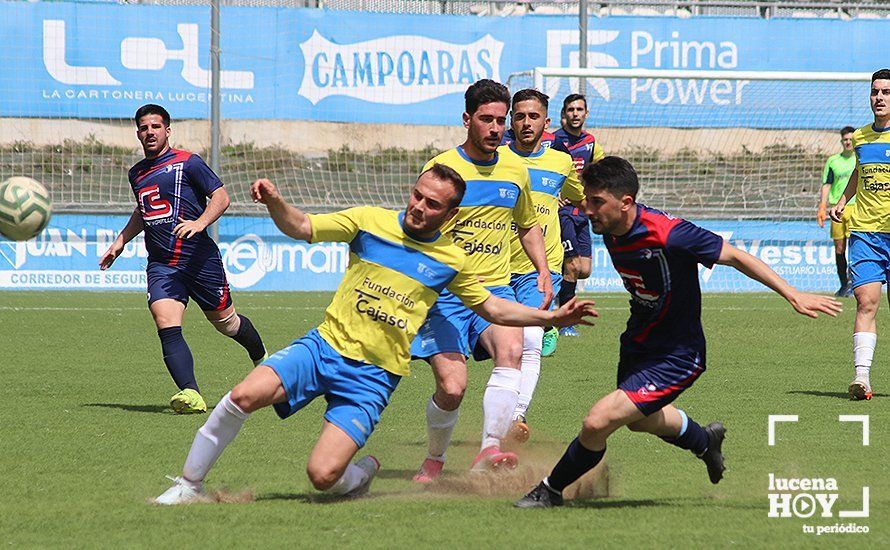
(658, 263)
(173, 185)
(583, 148)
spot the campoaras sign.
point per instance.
(395, 69)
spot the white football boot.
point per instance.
(182, 492)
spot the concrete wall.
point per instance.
(316, 138)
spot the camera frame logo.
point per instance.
(816, 497)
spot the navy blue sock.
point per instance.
(692, 437)
(178, 357)
(567, 291)
(577, 461)
(250, 339)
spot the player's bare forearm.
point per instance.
(754, 268)
(511, 314)
(805, 304)
(134, 226)
(290, 220)
(823, 195)
(216, 207)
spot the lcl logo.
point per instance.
(137, 53)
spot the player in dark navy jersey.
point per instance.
(172, 188)
(663, 348)
(584, 149)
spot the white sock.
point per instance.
(864, 344)
(220, 429)
(439, 427)
(533, 338)
(351, 478)
(498, 404)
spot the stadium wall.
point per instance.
(257, 257)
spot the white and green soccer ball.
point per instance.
(25, 208)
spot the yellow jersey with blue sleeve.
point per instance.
(872, 210)
(392, 281)
(552, 175)
(498, 194)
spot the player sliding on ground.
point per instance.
(869, 225)
(552, 175)
(399, 262)
(663, 349)
(172, 187)
(498, 194)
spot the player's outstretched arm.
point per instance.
(506, 313)
(802, 302)
(837, 211)
(532, 240)
(290, 220)
(134, 227)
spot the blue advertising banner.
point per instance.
(258, 257)
(86, 60)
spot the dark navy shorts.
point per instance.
(205, 282)
(654, 381)
(575, 228)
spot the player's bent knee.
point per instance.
(246, 398)
(228, 325)
(595, 424)
(323, 477)
(449, 394)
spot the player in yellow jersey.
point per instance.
(399, 262)
(553, 176)
(869, 224)
(498, 194)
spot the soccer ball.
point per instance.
(25, 208)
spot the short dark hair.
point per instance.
(528, 94)
(880, 74)
(612, 174)
(483, 92)
(571, 98)
(152, 109)
(449, 174)
(847, 130)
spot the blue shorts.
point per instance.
(356, 392)
(452, 327)
(654, 381)
(206, 283)
(526, 289)
(869, 255)
(575, 228)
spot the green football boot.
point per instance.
(188, 401)
(548, 346)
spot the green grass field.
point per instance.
(87, 438)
